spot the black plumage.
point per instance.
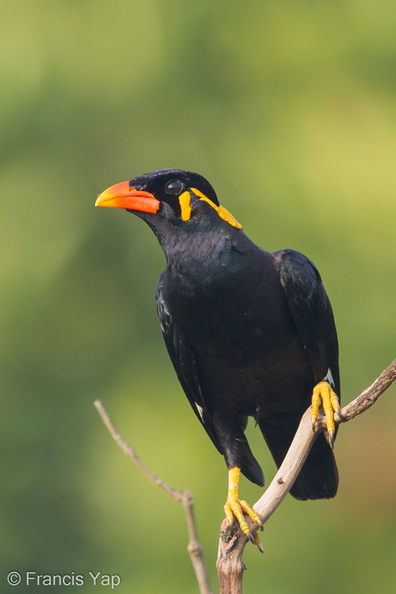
(250, 333)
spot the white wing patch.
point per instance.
(200, 410)
(161, 303)
(329, 377)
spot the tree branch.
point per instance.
(184, 497)
(232, 542)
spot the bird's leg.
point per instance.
(324, 396)
(235, 508)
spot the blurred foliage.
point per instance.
(289, 109)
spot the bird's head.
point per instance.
(171, 194)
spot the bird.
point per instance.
(250, 333)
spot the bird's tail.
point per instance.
(318, 478)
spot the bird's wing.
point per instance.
(312, 314)
(185, 364)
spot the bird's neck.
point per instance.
(196, 254)
(207, 263)
(204, 253)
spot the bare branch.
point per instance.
(184, 497)
(232, 541)
(369, 396)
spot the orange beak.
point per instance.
(123, 196)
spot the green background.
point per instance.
(289, 109)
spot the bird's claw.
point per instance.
(235, 508)
(257, 541)
(324, 396)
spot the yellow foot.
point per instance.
(235, 508)
(324, 396)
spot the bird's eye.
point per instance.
(175, 187)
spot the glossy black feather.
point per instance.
(249, 333)
(311, 311)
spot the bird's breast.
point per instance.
(243, 338)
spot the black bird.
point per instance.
(250, 333)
